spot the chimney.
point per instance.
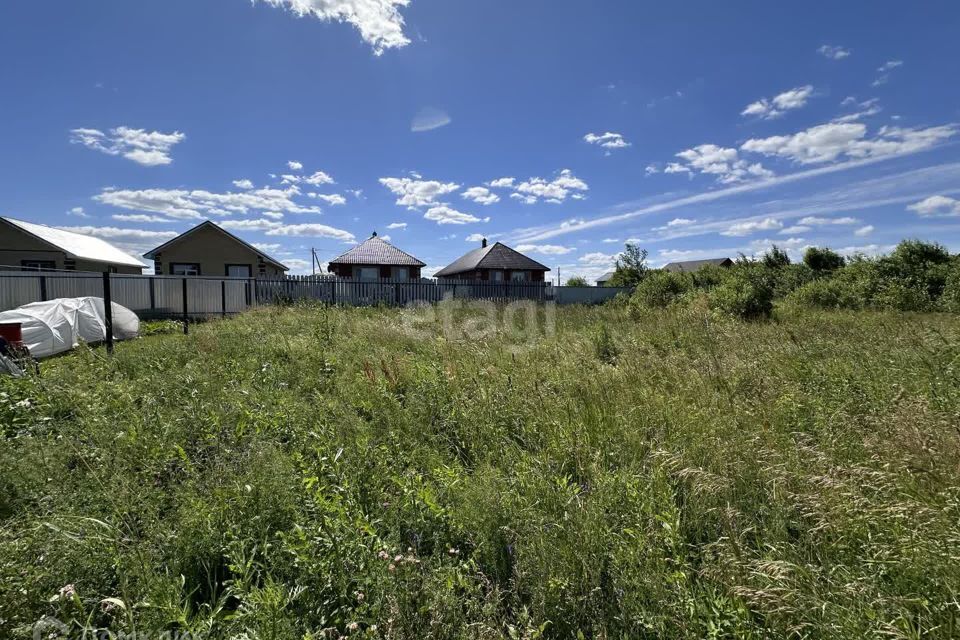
(374, 235)
(483, 243)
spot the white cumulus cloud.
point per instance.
(442, 214)
(776, 107)
(148, 148)
(553, 191)
(379, 21)
(415, 192)
(829, 142)
(182, 204)
(723, 162)
(481, 195)
(608, 140)
(274, 228)
(502, 183)
(746, 228)
(546, 249)
(936, 206)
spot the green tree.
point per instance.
(631, 267)
(776, 258)
(577, 281)
(822, 259)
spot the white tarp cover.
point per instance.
(59, 325)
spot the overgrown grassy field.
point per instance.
(307, 472)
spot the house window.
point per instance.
(401, 273)
(238, 271)
(497, 276)
(368, 273)
(184, 269)
(519, 276)
(38, 265)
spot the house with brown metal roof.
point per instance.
(376, 258)
(496, 262)
(210, 250)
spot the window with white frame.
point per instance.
(184, 269)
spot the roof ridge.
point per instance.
(269, 258)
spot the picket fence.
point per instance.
(194, 296)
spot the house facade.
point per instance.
(376, 258)
(210, 250)
(494, 263)
(29, 246)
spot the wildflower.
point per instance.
(360, 596)
(383, 555)
(67, 592)
(398, 558)
(392, 568)
(453, 551)
(353, 626)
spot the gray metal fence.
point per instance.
(178, 296)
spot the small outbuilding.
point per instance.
(496, 263)
(28, 246)
(376, 258)
(694, 265)
(210, 250)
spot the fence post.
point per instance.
(186, 322)
(153, 295)
(43, 288)
(223, 298)
(108, 311)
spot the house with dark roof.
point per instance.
(605, 278)
(693, 265)
(210, 250)
(29, 246)
(496, 262)
(376, 258)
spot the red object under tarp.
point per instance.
(11, 331)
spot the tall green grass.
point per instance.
(308, 472)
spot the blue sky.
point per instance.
(697, 129)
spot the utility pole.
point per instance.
(313, 260)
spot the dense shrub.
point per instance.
(709, 276)
(748, 294)
(826, 294)
(950, 300)
(822, 259)
(916, 276)
(790, 278)
(662, 288)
